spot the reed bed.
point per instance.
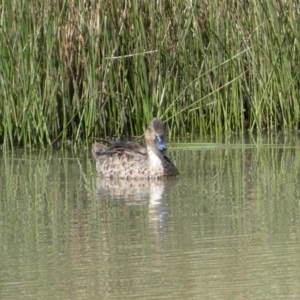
(75, 69)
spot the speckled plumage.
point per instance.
(131, 160)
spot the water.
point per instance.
(226, 228)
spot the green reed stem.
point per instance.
(70, 70)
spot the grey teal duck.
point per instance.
(132, 160)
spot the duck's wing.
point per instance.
(128, 147)
(99, 149)
(121, 148)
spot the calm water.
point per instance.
(227, 228)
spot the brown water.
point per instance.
(227, 228)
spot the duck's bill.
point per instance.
(160, 143)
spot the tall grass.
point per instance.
(74, 69)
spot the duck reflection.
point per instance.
(138, 193)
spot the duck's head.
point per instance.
(155, 136)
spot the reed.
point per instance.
(75, 69)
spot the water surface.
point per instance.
(226, 228)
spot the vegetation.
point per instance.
(75, 69)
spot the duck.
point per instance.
(132, 160)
